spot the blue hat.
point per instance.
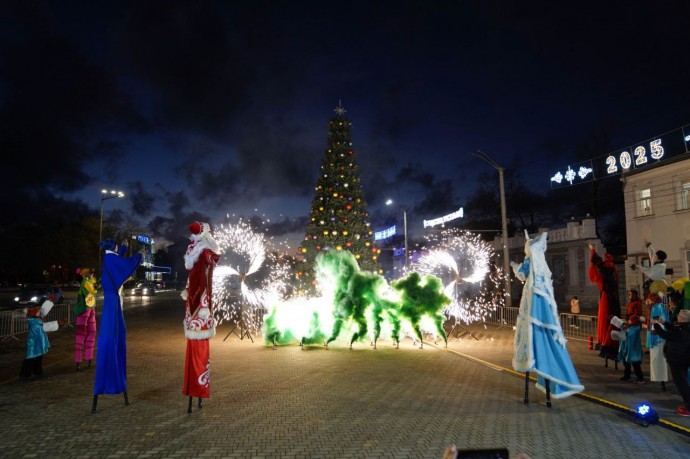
(108, 244)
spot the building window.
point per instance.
(683, 201)
(645, 202)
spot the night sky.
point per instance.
(201, 109)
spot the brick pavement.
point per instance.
(312, 403)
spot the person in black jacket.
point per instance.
(677, 353)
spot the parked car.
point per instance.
(37, 294)
(144, 289)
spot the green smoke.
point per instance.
(351, 296)
(355, 292)
(420, 299)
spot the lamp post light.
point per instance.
(504, 224)
(388, 203)
(105, 195)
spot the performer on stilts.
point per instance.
(602, 272)
(111, 356)
(85, 314)
(202, 255)
(540, 345)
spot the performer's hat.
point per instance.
(199, 228)
(108, 244)
(618, 335)
(654, 298)
(617, 322)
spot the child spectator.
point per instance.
(37, 343)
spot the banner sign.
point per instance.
(439, 221)
(651, 151)
(384, 234)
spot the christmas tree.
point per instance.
(338, 218)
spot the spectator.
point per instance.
(37, 343)
(574, 310)
(675, 304)
(655, 342)
(677, 353)
(630, 344)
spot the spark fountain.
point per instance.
(247, 278)
(462, 260)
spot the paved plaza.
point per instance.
(317, 403)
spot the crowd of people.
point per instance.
(668, 324)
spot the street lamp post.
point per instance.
(388, 203)
(105, 195)
(504, 224)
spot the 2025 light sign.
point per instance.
(662, 147)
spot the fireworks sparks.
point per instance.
(249, 278)
(462, 260)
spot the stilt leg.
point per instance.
(663, 386)
(126, 399)
(78, 365)
(201, 403)
(95, 402)
(189, 408)
(548, 393)
(526, 400)
(89, 363)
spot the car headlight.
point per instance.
(34, 299)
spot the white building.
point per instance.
(657, 208)
(568, 256)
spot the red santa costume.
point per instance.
(199, 325)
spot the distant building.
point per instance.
(568, 258)
(657, 208)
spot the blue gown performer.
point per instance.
(540, 345)
(111, 350)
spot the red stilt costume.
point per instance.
(602, 271)
(199, 324)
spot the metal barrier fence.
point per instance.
(13, 323)
(575, 326)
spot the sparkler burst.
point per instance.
(462, 260)
(249, 277)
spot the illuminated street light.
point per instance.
(388, 203)
(105, 195)
(504, 222)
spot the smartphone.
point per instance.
(490, 453)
